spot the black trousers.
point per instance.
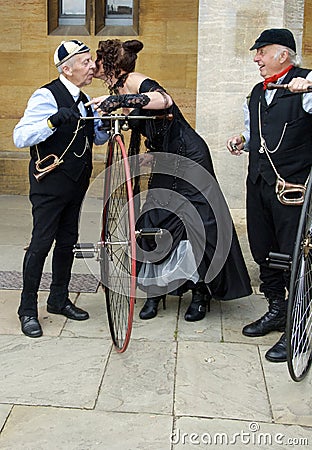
(55, 219)
(272, 227)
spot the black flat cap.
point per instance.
(280, 36)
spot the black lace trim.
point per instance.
(119, 84)
(114, 102)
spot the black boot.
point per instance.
(273, 320)
(150, 307)
(278, 353)
(197, 308)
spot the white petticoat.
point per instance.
(180, 265)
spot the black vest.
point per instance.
(73, 165)
(283, 117)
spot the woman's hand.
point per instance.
(96, 101)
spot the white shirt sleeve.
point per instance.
(246, 132)
(33, 127)
(307, 98)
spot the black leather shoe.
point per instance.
(278, 353)
(150, 307)
(263, 326)
(30, 326)
(70, 311)
(273, 320)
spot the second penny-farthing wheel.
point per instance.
(299, 318)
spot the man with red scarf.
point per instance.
(281, 121)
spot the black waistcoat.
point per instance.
(286, 127)
(73, 165)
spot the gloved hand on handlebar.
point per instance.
(114, 102)
(64, 115)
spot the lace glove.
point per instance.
(123, 101)
(64, 115)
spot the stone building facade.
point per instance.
(198, 49)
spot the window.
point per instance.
(69, 17)
(72, 12)
(119, 12)
(116, 17)
(106, 17)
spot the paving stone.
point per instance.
(62, 372)
(298, 407)
(140, 380)
(220, 380)
(75, 429)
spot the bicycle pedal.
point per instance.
(84, 255)
(83, 245)
(280, 261)
(84, 250)
(150, 232)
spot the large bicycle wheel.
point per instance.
(299, 320)
(118, 249)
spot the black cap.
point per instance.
(280, 36)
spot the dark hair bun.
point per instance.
(133, 46)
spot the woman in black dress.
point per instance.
(199, 249)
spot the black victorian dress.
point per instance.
(198, 244)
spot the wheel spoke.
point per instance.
(299, 322)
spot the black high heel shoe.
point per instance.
(150, 307)
(197, 308)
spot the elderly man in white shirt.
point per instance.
(60, 167)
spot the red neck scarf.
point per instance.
(275, 77)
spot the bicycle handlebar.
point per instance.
(126, 117)
(272, 86)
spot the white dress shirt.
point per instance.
(269, 94)
(33, 127)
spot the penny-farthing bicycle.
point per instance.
(116, 250)
(299, 319)
(299, 312)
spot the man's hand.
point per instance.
(235, 145)
(64, 115)
(299, 85)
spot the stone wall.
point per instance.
(167, 29)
